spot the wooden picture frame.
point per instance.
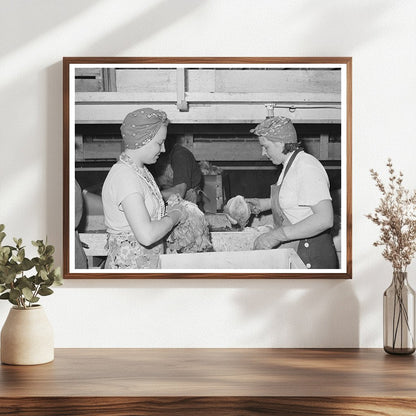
(207, 100)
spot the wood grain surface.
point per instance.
(208, 406)
(212, 382)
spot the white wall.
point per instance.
(380, 35)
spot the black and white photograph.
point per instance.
(210, 167)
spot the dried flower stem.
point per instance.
(396, 216)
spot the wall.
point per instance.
(34, 36)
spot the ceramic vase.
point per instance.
(27, 337)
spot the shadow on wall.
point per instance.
(45, 16)
(40, 16)
(287, 313)
(157, 18)
(137, 30)
(351, 24)
(302, 314)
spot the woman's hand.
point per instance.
(258, 205)
(266, 241)
(270, 239)
(254, 204)
(177, 213)
(146, 230)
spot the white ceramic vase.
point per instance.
(27, 337)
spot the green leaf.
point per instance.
(6, 296)
(45, 291)
(43, 275)
(15, 294)
(8, 277)
(24, 282)
(49, 282)
(2, 227)
(27, 293)
(2, 288)
(21, 254)
(58, 280)
(48, 260)
(3, 270)
(14, 302)
(2, 236)
(31, 279)
(17, 241)
(26, 264)
(49, 250)
(14, 268)
(5, 250)
(11, 248)
(37, 280)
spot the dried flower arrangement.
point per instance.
(396, 216)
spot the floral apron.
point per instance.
(124, 251)
(316, 252)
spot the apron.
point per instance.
(125, 252)
(316, 252)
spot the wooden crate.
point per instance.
(234, 240)
(212, 196)
(284, 259)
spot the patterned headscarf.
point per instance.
(140, 126)
(276, 129)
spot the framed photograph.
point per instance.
(207, 167)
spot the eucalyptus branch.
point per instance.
(17, 286)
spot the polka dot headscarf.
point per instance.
(276, 129)
(140, 126)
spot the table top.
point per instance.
(214, 372)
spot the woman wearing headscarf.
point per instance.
(300, 201)
(134, 209)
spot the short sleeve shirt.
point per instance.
(305, 185)
(185, 168)
(121, 182)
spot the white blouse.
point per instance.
(305, 185)
(122, 181)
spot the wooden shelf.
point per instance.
(212, 382)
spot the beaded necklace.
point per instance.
(147, 177)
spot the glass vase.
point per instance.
(399, 316)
